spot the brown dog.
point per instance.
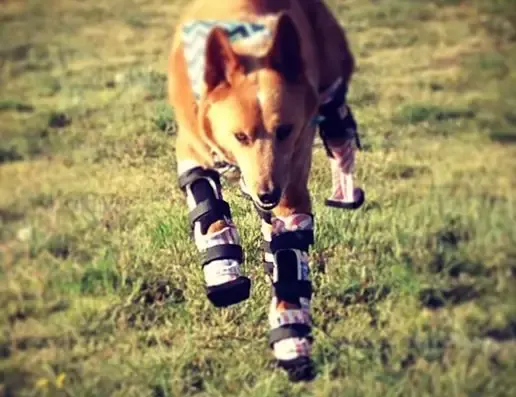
(250, 81)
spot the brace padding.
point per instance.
(268, 265)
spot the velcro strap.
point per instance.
(299, 239)
(193, 174)
(291, 291)
(209, 211)
(289, 331)
(222, 251)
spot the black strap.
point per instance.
(209, 211)
(222, 251)
(289, 331)
(299, 239)
(193, 174)
(338, 98)
(291, 291)
(335, 127)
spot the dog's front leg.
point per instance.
(214, 233)
(288, 234)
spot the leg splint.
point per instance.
(221, 251)
(338, 130)
(289, 315)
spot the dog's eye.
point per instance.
(242, 138)
(283, 131)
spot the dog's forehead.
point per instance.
(253, 105)
(269, 95)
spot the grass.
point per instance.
(100, 287)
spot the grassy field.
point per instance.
(101, 291)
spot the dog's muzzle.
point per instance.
(268, 200)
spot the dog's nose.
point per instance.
(270, 198)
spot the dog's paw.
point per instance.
(338, 202)
(301, 369)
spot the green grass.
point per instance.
(101, 288)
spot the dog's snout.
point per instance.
(271, 197)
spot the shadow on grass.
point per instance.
(435, 298)
(13, 380)
(502, 334)
(9, 155)
(369, 294)
(7, 216)
(504, 137)
(148, 307)
(418, 113)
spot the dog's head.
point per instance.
(256, 106)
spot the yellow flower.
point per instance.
(42, 383)
(60, 380)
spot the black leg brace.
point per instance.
(209, 209)
(338, 121)
(288, 284)
(291, 283)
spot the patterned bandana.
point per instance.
(195, 35)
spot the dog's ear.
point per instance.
(285, 52)
(221, 60)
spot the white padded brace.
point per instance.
(223, 270)
(291, 348)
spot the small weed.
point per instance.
(164, 119)
(100, 278)
(154, 83)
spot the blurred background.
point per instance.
(101, 291)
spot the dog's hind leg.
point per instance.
(338, 131)
(338, 128)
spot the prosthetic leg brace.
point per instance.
(221, 251)
(285, 256)
(338, 130)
